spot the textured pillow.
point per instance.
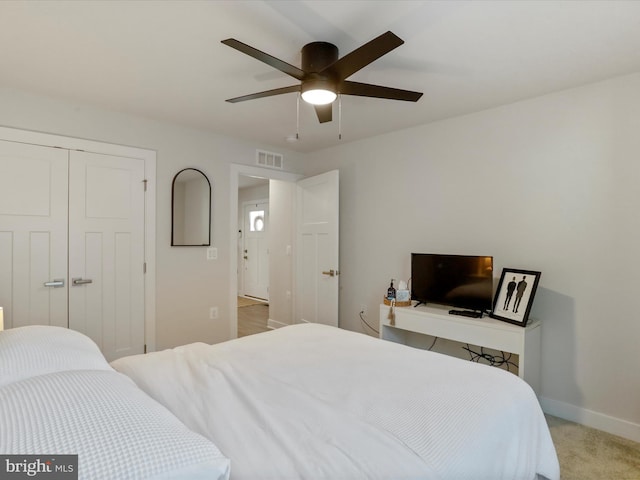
(39, 349)
(117, 431)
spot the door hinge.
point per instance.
(145, 348)
(145, 184)
(144, 267)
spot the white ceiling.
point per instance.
(164, 59)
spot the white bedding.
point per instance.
(316, 402)
(58, 395)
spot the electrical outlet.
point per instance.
(363, 310)
(213, 313)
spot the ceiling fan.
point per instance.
(323, 76)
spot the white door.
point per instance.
(33, 234)
(317, 249)
(68, 215)
(256, 251)
(106, 251)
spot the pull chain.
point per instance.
(298, 117)
(339, 117)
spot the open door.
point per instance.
(317, 266)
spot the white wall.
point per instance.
(249, 194)
(282, 196)
(186, 283)
(548, 184)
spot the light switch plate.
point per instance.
(212, 253)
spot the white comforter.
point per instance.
(316, 402)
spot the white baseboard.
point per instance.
(273, 324)
(600, 421)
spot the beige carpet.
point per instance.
(246, 302)
(588, 454)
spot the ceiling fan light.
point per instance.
(319, 96)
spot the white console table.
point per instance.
(435, 320)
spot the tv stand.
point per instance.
(466, 313)
(411, 325)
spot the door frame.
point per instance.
(149, 157)
(250, 171)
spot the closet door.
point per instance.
(106, 251)
(33, 234)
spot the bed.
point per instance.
(311, 401)
(301, 402)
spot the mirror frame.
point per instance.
(173, 184)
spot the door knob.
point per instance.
(331, 273)
(81, 281)
(57, 283)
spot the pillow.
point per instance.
(40, 349)
(117, 431)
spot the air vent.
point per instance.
(269, 159)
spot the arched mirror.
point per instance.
(190, 208)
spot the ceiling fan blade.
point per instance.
(368, 90)
(270, 60)
(266, 93)
(364, 55)
(324, 112)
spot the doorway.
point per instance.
(240, 175)
(303, 214)
(253, 255)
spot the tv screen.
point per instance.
(463, 281)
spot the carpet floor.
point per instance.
(588, 454)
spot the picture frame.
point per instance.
(514, 295)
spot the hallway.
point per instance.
(252, 316)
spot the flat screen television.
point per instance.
(461, 281)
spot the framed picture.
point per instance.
(514, 295)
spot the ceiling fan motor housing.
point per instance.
(318, 55)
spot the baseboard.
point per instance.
(589, 418)
(273, 324)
